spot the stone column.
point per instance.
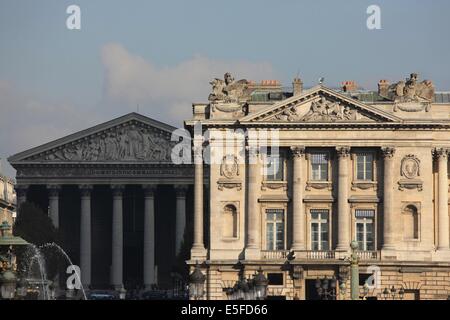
(180, 216)
(388, 190)
(21, 195)
(198, 247)
(149, 235)
(298, 153)
(252, 250)
(53, 203)
(85, 235)
(443, 220)
(117, 237)
(343, 207)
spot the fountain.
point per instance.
(34, 280)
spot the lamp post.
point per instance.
(354, 271)
(392, 293)
(260, 283)
(249, 289)
(326, 288)
(8, 277)
(197, 283)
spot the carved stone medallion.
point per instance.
(229, 167)
(410, 167)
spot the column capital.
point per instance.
(298, 151)
(387, 152)
(180, 190)
(117, 189)
(343, 151)
(53, 189)
(85, 189)
(149, 189)
(441, 153)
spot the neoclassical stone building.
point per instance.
(120, 203)
(282, 179)
(7, 199)
(350, 165)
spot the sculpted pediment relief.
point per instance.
(129, 141)
(321, 104)
(321, 110)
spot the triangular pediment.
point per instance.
(320, 105)
(131, 138)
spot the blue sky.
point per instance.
(160, 55)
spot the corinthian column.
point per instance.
(85, 235)
(53, 203)
(253, 223)
(388, 190)
(298, 153)
(180, 216)
(443, 226)
(343, 207)
(198, 247)
(117, 237)
(149, 236)
(21, 196)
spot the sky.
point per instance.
(157, 57)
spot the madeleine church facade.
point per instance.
(313, 170)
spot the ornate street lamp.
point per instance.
(8, 278)
(393, 293)
(326, 288)
(196, 283)
(260, 283)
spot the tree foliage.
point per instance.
(34, 225)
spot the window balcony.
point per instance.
(316, 255)
(320, 255)
(368, 255)
(274, 254)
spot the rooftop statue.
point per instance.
(228, 90)
(410, 91)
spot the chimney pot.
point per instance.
(297, 86)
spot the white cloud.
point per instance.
(167, 93)
(27, 121)
(164, 93)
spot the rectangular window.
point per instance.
(274, 167)
(319, 229)
(274, 229)
(319, 166)
(365, 229)
(364, 166)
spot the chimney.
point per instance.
(297, 86)
(383, 86)
(349, 86)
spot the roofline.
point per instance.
(317, 88)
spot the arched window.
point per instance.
(229, 221)
(410, 222)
